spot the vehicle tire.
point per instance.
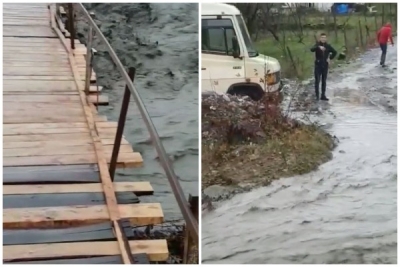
(255, 93)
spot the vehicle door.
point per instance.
(217, 48)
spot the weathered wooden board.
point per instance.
(25, 218)
(108, 124)
(42, 115)
(41, 78)
(48, 151)
(157, 250)
(38, 59)
(44, 71)
(38, 86)
(64, 199)
(37, 50)
(51, 174)
(59, 150)
(31, 41)
(79, 260)
(100, 100)
(49, 118)
(47, 137)
(83, 260)
(23, 31)
(48, 130)
(43, 98)
(124, 160)
(52, 144)
(139, 188)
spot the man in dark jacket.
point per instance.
(324, 53)
(383, 36)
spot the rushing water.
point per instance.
(346, 211)
(161, 41)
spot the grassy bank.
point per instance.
(254, 143)
(354, 34)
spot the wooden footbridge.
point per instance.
(60, 201)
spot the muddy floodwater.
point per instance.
(161, 41)
(346, 211)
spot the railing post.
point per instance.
(71, 24)
(194, 208)
(121, 124)
(88, 74)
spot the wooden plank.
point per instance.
(51, 144)
(39, 68)
(38, 86)
(101, 100)
(45, 119)
(32, 40)
(47, 151)
(50, 160)
(66, 199)
(42, 115)
(138, 214)
(24, 126)
(37, 51)
(139, 188)
(43, 98)
(36, 59)
(96, 232)
(111, 141)
(41, 78)
(59, 150)
(92, 260)
(107, 124)
(22, 31)
(124, 160)
(41, 109)
(157, 250)
(47, 137)
(51, 174)
(24, 64)
(53, 130)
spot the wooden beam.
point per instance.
(139, 188)
(55, 217)
(157, 250)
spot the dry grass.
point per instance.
(256, 144)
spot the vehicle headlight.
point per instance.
(273, 78)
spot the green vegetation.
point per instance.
(354, 34)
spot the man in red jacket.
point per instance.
(383, 36)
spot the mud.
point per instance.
(346, 211)
(161, 41)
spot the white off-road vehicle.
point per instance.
(229, 62)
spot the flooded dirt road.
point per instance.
(346, 211)
(161, 41)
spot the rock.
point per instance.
(217, 192)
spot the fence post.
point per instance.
(71, 25)
(194, 207)
(361, 35)
(88, 74)
(121, 124)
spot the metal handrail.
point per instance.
(184, 206)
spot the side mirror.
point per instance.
(235, 47)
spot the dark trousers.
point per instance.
(320, 73)
(383, 55)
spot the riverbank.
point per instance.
(247, 144)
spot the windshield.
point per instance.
(249, 45)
